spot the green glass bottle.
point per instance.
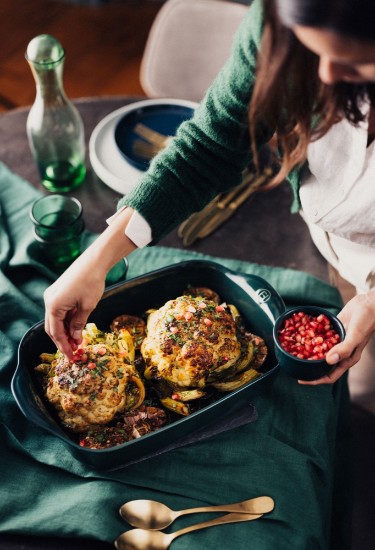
(54, 126)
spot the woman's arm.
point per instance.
(70, 300)
(210, 151)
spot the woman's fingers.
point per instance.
(338, 370)
(68, 306)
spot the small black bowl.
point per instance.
(304, 369)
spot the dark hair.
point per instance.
(288, 97)
(355, 18)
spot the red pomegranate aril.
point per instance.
(307, 337)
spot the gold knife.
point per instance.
(190, 227)
(229, 209)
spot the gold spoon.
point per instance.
(143, 539)
(149, 514)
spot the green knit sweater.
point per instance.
(210, 150)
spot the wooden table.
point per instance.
(262, 231)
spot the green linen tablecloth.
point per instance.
(297, 451)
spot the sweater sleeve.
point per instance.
(210, 151)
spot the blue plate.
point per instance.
(164, 118)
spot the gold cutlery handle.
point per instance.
(225, 213)
(188, 230)
(256, 505)
(145, 149)
(228, 518)
(151, 135)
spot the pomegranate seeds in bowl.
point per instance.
(303, 336)
(308, 336)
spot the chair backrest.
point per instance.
(188, 43)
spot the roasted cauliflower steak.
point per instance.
(193, 342)
(100, 382)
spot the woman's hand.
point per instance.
(70, 300)
(358, 318)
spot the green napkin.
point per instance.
(297, 451)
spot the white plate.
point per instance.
(106, 160)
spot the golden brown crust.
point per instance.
(187, 339)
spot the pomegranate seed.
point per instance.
(307, 337)
(72, 343)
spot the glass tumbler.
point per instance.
(58, 228)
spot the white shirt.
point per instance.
(338, 201)
(138, 230)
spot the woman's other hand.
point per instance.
(358, 318)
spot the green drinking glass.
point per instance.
(58, 228)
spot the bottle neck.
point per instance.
(48, 82)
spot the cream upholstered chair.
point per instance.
(188, 43)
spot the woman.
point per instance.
(311, 86)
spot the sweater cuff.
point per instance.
(137, 230)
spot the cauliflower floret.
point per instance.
(189, 339)
(100, 382)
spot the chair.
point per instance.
(187, 45)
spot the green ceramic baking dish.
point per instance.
(257, 301)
